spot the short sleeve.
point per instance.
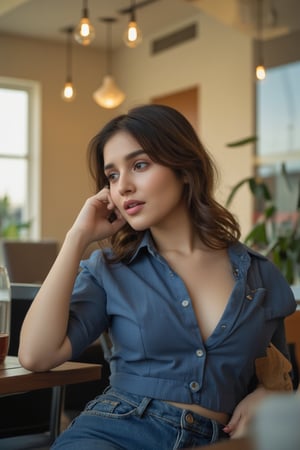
(88, 317)
(280, 301)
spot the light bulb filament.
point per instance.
(260, 72)
(68, 93)
(132, 32)
(84, 29)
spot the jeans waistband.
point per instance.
(186, 418)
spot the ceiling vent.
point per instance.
(175, 38)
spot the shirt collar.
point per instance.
(146, 243)
(238, 252)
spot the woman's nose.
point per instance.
(125, 184)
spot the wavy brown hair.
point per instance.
(170, 140)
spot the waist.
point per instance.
(220, 417)
(167, 412)
(178, 391)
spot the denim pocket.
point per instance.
(110, 405)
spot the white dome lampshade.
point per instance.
(108, 95)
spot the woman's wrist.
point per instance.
(77, 239)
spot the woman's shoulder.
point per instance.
(97, 259)
(280, 296)
(264, 274)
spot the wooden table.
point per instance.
(15, 379)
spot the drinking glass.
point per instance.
(5, 311)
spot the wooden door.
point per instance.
(185, 101)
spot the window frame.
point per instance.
(276, 158)
(33, 203)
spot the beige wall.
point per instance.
(219, 61)
(66, 127)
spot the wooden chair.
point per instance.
(292, 327)
(28, 261)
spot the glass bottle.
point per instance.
(5, 311)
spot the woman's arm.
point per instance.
(43, 340)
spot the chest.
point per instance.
(157, 312)
(209, 282)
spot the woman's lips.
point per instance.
(133, 207)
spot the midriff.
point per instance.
(222, 418)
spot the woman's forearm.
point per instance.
(43, 340)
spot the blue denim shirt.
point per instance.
(158, 350)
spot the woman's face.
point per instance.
(147, 194)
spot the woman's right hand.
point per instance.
(98, 218)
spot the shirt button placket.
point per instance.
(194, 385)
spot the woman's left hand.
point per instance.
(243, 413)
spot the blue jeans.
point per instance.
(118, 420)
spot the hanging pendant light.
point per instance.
(260, 70)
(68, 94)
(133, 35)
(108, 95)
(84, 33)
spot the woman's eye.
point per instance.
(111, 177)
(140, 165)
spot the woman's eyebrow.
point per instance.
(127, 158)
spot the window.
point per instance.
(19, 150)
(278, 130)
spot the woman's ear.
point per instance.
(185, 179)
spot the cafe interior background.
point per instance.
(199, 56)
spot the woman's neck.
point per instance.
(180, 237)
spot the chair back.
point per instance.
(28, 261)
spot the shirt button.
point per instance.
(189, 418)
(185, 303)
(199, 352)
(194, 386)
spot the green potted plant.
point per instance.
(10, 223)
(276, 240)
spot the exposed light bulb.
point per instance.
(133, 35)
(68, 93)
(260, 72)
(108, 95)
(84, 33)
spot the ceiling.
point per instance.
(45, 19)
(279, 17)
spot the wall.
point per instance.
(66, 127)
(282, 50)
(219, 61)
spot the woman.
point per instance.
(188, 307)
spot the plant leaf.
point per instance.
(259, 189)
(257, 235)
(241, 142)
(235, 189)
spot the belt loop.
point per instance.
(142, 406)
